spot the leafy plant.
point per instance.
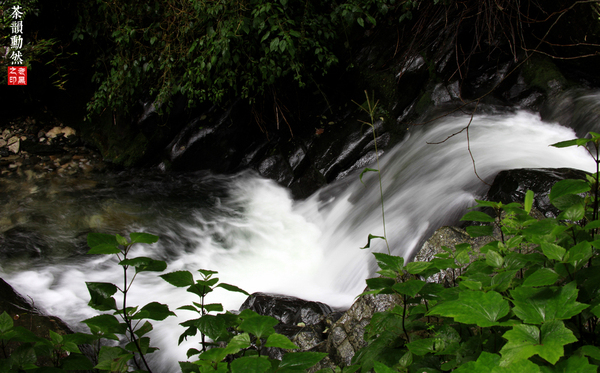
(133, 322)
(213, 50)
(236, 341)
(370, 107)
(21, 350)
(527, 301)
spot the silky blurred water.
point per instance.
(253, 233)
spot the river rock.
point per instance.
(14, 144)
(303, 322)
(65, 131)
(511, 186)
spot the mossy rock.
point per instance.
(118, 141)
(540, 72)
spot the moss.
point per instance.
(424, 103)
(119, 143)
(540, 72)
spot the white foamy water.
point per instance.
(259, 239)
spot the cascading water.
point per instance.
(258, 238)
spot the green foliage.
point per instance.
(243, 336)
(21, 349)
(527, 302)
(131, 323)
(214, 50)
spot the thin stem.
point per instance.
(380, 189)
(404, 318)
(127, 320)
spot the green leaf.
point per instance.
(480, 230)
(588, 350)
(542, 277)
(368, 245)
(258, 325)
(360, 21)
(144, 264)
(213, 307)
(121, 240)
(250, 364)
(493, 259)
(143, 238)
(538, 305)
(421, 347)
(153, 311)
(6, 322)
(113, 359)
(477, 216)
(528, 202)
(211, 326)
(574, 212)
(179, 278)
(568, 186)
(301, 360)
(144, 329)
(382, 368)
(540, 228)
(101, 243)
(410, 287)
(414, 268)
(525, 341)
(143, 346)
(232, 288)
(579, 254)
(501, 282)
(365, 171)
(274, 44)
(553, 251)
(488, 363)
(380, 283)
(280, 341)
(23, 357)
(385, 261)
(579, 364)
(106, 323)
(568, 143)
(592, 225)
(207, 272)
(474, 307)
(101, 296)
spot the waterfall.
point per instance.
(260, 239)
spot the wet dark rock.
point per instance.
(304, 322)
(511, 186)
(288, 310)
(20, 242)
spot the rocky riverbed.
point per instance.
(31, 150)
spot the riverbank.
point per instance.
(29, 149)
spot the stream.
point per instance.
(251, 231)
